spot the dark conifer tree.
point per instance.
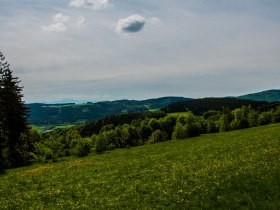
(13, 115)
(2, 139)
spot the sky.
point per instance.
(130, 49)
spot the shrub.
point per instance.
(144, 132)
(101, 143)
(80, 147)
(42, 153)
(111, 147)
(158, 136)
(253, 118)
(265, 118)
(212, 127)
(180, 131)
(193, 129)
(224, 123)
(167, 124)
(154, 124)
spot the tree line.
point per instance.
(199, 106)
(149, 130)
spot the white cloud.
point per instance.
(60, 18)
(58, 25)
(80, 21)
(131, 24)
(77, 3)
(94, 4)
(55, 27)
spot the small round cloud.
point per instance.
(131, 24)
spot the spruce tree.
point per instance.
(13, 115)
(2, 139)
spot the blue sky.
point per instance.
(116, 49)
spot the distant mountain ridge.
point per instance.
(70, 113)
(267, 95)
(260, 100)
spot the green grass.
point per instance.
(64, 126)
(41, 129)
(176, 114)
(233, 170)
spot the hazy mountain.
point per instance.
(268, 95)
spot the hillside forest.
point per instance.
(123, 132)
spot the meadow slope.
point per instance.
(232, 170)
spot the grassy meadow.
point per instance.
(232, 170)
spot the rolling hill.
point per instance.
(70, 113)
(268, 96)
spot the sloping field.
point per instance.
(233, 170)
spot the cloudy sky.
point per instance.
(116, 49)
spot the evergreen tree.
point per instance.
(2, 137)
(13, 121)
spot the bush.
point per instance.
(144, 132)
(167, 124)
(80, 147)
(265, 118)
(253, 118)
(224, 123)
(212, 127)
(189, 126)
(111, 147)
(180, 131)
(56, 146)
(158, 136)
(101, 143)
(194, 129)
(154, 124)
(42, 153)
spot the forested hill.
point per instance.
(268, 95)
(199, 106)
(71, 113)
(57, 114)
